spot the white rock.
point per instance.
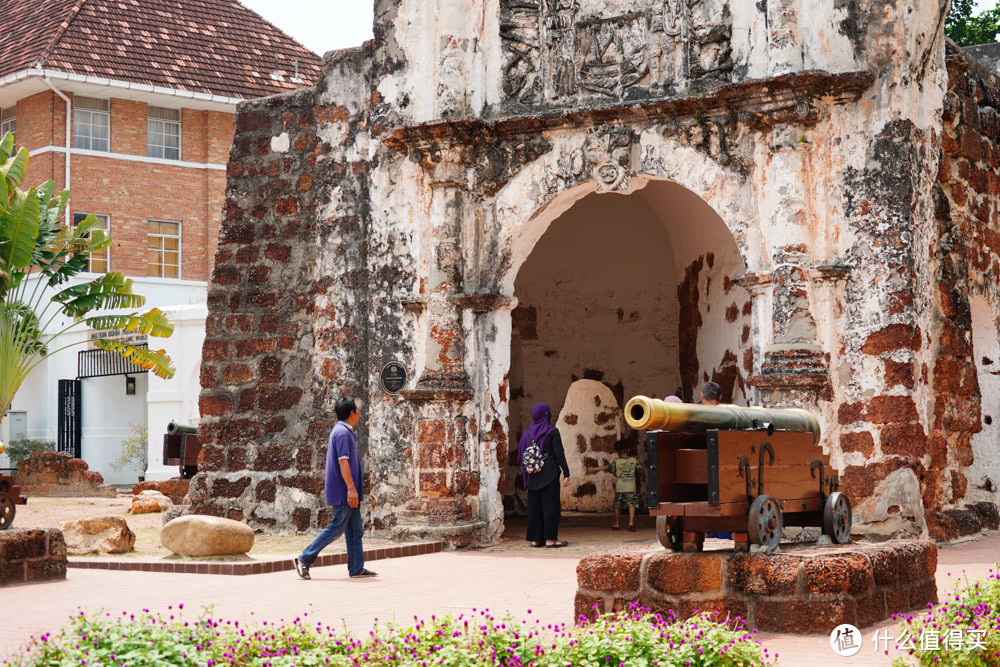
(197, 535)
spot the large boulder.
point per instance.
(107, 534)
(198, 535)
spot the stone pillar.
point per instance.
(790, 357)
(444, 345)
(784, 53)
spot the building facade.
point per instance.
(579, 201)
(135, 117)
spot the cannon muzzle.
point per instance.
(173, 428)
(649, 414)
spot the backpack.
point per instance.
(533, 459)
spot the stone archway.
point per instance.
(631, 290)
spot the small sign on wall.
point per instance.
(393, 377)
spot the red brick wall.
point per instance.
(133, 192)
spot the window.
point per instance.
(98, 261)
(164, 132)
(163, 249)
(8, 122)
(92, 124)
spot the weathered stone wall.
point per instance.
(387, 216)
(59, 474)
(29, 556)
(286, 331)
(962, 463)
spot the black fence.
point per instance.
(102, 363)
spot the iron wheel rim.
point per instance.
(837, 517)
(7, 511)
(765, 522)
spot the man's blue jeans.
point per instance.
(346, 522)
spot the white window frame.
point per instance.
(180, 248)
(159, 150)
(88, 110)
(8, 122)
(106, 228)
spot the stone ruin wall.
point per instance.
(371, 220)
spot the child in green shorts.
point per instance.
(626, 469)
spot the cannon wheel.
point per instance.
(765, 522)
(7, 511)
(668, 530)
(837, 518)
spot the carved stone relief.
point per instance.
(568, 50)
(609, 154)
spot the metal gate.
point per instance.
(69, 417)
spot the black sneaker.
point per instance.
(365, 572)
(302, 569)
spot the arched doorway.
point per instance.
(632, 291)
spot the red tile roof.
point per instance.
(205, 46)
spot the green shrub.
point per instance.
(636, 638)
(18, 450)
(964, 630)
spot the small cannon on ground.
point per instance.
(10, 498)
(747, 471)
(181, 447)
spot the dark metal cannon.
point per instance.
(746, 471)
(10, 498)
(181, 447)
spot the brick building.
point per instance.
(133, 111)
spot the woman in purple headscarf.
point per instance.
(543, 486)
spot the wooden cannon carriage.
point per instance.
(745, 471)
(10, 498)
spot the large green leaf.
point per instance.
(112, 290)
(152, 323)
(6, 146)
(13, 170)
(150, 360)
(20, 227)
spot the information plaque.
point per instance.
(393, 377)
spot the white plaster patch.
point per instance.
(280, 143)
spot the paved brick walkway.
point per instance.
(514, 580)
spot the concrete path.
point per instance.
(514, 580)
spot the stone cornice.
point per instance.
(786, 98)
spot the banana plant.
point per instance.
(39, 254)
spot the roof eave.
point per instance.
(42, 73)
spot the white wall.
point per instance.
(106, 420)
(176, 399)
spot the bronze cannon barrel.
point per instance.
(647, 414)
(173, 428)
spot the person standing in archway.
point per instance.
(541, 457)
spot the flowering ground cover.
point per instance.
(964, 630)
(636, 638)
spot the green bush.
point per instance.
(636, 638)
(964, 630)
(18, 450)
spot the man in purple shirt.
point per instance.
(343, 494)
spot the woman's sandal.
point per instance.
(556, 545)
(615, 528)
(632, 528)
(535, 545)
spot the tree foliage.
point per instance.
(967, 29)
(39, 257)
